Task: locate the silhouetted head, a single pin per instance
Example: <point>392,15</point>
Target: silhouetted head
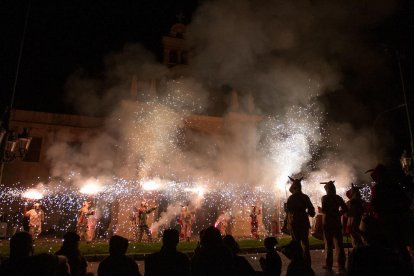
<point>118,245</point>
<point>211,237</point>
<point>270,243</point>
<point>231,244</point>
<point>330,187</point>
<point>21,245</point>
<point>170,238</point>
<point>71,239</point>
<point>354,192</point>
<point>378,174</point>
<point>296,185</point>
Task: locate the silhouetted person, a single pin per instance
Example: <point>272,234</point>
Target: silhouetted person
<point>240,265</point>
<point>376,257</point>
<point>200,237</point>
<point>271,264</point>
<point>299,208</point>
<point>333,207</point>
<point>392,207</point>
<point>297,265</point>
<point>117,263</point>
<point>168,261</point>
<point>70,249</point>
<point>21,250</point>
<point>21,261</point>
<point>49,265</point>
<point>212,257</point>
<point>354,216</point>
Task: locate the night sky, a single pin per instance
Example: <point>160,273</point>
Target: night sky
<point>66,36</point>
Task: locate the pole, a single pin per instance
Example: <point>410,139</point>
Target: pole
<point>7,116</point>
<point>405,102</point>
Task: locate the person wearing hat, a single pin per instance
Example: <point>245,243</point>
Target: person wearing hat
<point>333,207</point>
<point>143,213</point>
<point>299,208</point>
<point>36,217</point>
<point>70,249</point>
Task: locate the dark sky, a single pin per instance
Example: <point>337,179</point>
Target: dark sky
<point>63,36</point>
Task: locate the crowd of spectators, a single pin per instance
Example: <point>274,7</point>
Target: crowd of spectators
<point>382,239</point>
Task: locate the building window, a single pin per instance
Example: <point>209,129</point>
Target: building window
<point>35,148</point>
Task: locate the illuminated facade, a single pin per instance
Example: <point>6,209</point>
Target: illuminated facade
<point>47,129</point>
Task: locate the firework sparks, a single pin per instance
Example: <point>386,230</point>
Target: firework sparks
<point>151,185</point>
<point>91,187</point>
<point>32,194</point>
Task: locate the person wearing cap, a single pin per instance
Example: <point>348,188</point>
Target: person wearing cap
<point>333,207</point>
<point>143,213</point>
<point>70,249</point>
<point>299,208</point>
<point>82,223</point>
<point>36,217</point>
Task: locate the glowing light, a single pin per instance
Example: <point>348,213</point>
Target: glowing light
<point>32,194</point>
<point>91,187</point>
<point>151,185</point>
<point>199,190</point>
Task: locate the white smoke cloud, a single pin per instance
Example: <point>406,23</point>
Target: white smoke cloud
<point>285,54</point>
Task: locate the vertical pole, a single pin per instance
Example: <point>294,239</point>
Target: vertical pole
<point>405,102</point>
<point>9,109</point>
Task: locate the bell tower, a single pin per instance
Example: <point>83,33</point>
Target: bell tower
<point>175,47</point>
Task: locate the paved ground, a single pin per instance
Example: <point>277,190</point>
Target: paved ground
<point>317,263</point>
